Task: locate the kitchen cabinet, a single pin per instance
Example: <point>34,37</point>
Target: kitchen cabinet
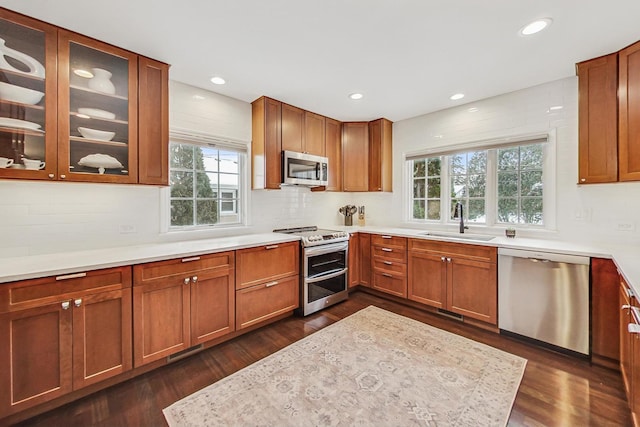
<point>333,148</point>
<point>267,282</point>
<point>380,155</point>
<point>629,113</point>
<point>60,334</point>
<point>455,277</point>
<point>76,115</point>
<point>266,144</point>
<point>625,301</point>
<point>364,243</point>
<point>354,260</point>
<point>598,120</point>
<point>355,156</point>
<point>293,127</point>
<point>605,338</point>
<point>314,134</point>
<point>181,303</point>
<point>389,264</point>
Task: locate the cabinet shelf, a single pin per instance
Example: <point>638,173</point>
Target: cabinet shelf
<point>98,142</point>
<point>95,92</point>
<point>10,73</point>
<point>22,131</point>
<point>19,104</point>
<point>100,119</point>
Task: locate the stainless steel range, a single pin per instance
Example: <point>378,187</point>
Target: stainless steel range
<point>324,258</point>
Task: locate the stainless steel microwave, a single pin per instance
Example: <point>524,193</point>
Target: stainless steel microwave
<point>304,169</point>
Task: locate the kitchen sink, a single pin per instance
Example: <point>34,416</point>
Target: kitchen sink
<point>477,237</point>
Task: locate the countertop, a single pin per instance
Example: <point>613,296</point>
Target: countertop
<point>626,258</point>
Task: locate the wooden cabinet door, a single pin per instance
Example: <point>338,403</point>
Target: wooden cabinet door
<point>102,325</point>
<point>160,320</point>
<point>365,258</point>
<point>625,336</point>
<point>292,128</point>
<point>333,149</point>
<point>634,373</point>
<point>314,134</point>
<point>266,263</point>
<point>380,155</point>
<point>605,338</point>
<point>266,143</point>
<point>394,284</point>
<point>265,301</point>
<point>629,113</point>
<point>355,156</point>
<point>36,356</point>
<point>153,122</point>
<point>427,279</point>
<point>354,260</point>
<point>472,289</point>
<point>598,120</point>
<point>212,306</point>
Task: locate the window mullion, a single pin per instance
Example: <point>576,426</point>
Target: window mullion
<point>445,188</point>
<point>491,188</point>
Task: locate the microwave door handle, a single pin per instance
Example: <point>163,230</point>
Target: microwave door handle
<point>318,170</point>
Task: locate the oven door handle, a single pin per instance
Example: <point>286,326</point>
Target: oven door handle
<point>325,249</point>
<point>326,276</point>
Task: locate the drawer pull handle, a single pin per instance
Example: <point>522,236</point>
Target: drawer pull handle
<point>387,275</point>
<point>387,262</point>
<point>386,237</point>
<point>271,247</point>
<point>387,250</point>
<point>71,276</point>
<point>66,305</point>
<point>624,307</point>
<point>78,302</point>
<point>270,284</point>
<point>193,258</point>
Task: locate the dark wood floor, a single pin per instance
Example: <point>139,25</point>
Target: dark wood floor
<point>556,390</point>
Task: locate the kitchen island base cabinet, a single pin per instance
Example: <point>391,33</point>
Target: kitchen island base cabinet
<point>181,303</point>
<point>61,334</point>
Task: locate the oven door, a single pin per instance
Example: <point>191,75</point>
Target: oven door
<point>325,276</point>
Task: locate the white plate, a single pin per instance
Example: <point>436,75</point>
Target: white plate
<point>97,113</point>
<point>100,161</point>
<point>20,124</point>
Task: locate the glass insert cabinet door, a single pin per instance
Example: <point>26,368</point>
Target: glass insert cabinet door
<point>28,80</point>
<point>97,104</point>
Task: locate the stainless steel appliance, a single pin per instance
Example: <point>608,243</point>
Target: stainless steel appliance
<point>304,169</point>
<point>324,258</point>
<point>544,296</point>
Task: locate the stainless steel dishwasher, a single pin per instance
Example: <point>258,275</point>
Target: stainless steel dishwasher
<point>545,296</point>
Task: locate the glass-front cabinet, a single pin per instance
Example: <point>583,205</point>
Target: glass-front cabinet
<point>97,107</point>
<point>28,85</point>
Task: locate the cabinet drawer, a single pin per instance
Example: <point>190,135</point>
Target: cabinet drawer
<point>199,265</point>
<point>390,283</point>
<point>388,241</point>
<point>480,253</point>
<point>35,292</point>
<point>266,263</point>
<point>389,253</point>
<point>389,266</point>
<point>261,302</point>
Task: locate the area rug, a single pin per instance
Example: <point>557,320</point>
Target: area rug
<point>373,368</point>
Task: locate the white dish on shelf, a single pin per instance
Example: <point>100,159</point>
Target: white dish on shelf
<point>20,94</point>
<point>35,67</point>
<point>17,123</point>
<point>100,161</point>
<point>101,135</point>
<point>97,113</point>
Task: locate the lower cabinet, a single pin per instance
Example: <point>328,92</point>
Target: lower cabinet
<point>181,303</point>
<point>354,260</point>
<point>364,245</point>
<point>626,341</point>
<point>389,259</point>
<point>460,278</point>
<point>258,303</point>
<point>61,334</point>
<point>605,337</point>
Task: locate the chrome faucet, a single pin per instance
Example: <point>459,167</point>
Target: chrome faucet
<point>459,213</point>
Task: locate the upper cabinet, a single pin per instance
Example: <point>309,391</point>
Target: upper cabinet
<point>609,117</point>
<point>314,134</point>
<point>76,109</point>
<point>292,128</point>
<point>266,143</point>
<point>355,156</point>
<point>333,146</point>
<point>380,154</point>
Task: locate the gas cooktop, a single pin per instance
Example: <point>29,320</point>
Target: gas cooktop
<point>312,236</point>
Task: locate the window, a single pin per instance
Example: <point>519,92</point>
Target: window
<point>495,184</point>
<point>205,185</point>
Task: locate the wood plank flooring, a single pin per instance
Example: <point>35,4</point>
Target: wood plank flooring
<point>557,390</point>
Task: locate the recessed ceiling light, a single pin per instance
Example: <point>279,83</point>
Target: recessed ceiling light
<point>556,107</point>
<point>83,73</point>
<point>198,97</point>
<point>439,136</point>
<point>535,26</point>
<point>472,109</point>
<point>456,96</point>
<point>356,96</point>
<point>217,80</point>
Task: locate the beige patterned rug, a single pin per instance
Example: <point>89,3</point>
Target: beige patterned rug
<point>373,368</point>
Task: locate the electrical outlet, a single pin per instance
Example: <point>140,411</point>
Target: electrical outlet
<point>625,226</point>
<point>127,229</point>
<point>582,214</point>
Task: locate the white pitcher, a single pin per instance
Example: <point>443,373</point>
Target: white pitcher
<point>101,81</point>
<point>35,68</point>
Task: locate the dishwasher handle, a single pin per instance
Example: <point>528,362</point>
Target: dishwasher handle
<point>540,256</point>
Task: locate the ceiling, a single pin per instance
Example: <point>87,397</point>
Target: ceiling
<point>406,56</point>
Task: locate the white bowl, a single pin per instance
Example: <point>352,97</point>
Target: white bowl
<point>20,94</point>
<point>97,113</point>
<point>101,135</point>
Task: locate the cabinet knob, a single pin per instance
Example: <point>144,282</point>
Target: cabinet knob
<point>583,180</point>
<point>187,280</point>
<point>194,279</point>
<point>63,176</point>
<point>443,259</point>
<point>66,305</point>
<point>448,259</point>
<point>78,302</point>
<point>51,176</point>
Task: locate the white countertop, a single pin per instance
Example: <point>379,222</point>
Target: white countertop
<point>626,258</point>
